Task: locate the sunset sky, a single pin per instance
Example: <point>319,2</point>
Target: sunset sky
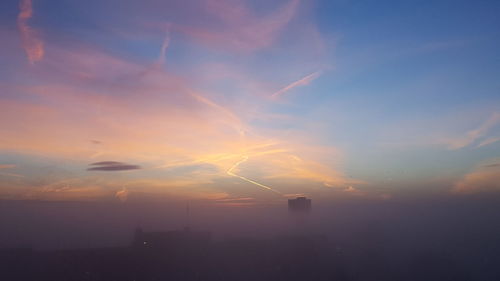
<point>247,102</point>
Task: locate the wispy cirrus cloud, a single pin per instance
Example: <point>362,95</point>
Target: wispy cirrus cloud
<point>491,165</point>
<point>488,141</point>
<point>236,201</point>
<point>31,42</point>
<point>9,166</point>
<point>164,46</point>
<point>476,134</point>
<point>241,30</point>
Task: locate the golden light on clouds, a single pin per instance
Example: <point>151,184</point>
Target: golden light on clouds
<point>87,105</point>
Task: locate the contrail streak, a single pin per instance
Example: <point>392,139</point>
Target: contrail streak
<point>301,82</point>
<point>245,158</point>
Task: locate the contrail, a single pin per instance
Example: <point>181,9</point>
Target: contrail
<point>245,158</point>
<point>301,82</point>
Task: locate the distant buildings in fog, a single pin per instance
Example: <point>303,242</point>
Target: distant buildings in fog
<point>299,204</point>
<point>170,239</point>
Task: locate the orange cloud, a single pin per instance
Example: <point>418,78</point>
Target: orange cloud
<point>9,166</point>
<point>482,179</point>
<point>122,194</point>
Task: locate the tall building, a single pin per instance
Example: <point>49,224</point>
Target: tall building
<point>299,204</point>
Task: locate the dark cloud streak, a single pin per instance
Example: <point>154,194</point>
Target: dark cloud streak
<point>107,163</point>
<point>110,166</point>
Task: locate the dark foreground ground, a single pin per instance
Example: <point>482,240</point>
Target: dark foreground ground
<point>184,257</point>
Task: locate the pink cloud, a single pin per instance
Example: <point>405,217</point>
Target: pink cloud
<point>240,30</point>
<point>31,42</point>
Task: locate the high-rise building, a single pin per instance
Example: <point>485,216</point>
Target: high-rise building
<point>299,204</point>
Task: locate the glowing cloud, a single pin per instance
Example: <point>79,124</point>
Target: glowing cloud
<point>122,194</point>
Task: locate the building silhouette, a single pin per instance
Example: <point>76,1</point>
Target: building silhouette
<point>184,238</point>
<point>299,204</point>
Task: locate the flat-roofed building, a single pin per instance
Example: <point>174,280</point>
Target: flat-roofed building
<point>299,204</point>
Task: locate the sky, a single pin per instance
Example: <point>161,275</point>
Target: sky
<point>248,102</point>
